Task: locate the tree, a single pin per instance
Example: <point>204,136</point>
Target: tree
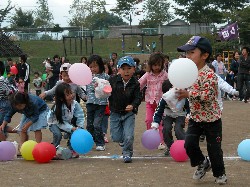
<point>44,17</point>
<point>22,19</point>
<point>156,13</point>
<point>81,9</point>
<point>102,20</point>
<point>4,12</point>
<point>199,11</point>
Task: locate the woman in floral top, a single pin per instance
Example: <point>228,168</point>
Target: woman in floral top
<point>205,113</point>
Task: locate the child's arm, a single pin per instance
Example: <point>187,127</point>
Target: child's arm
<point>81,93</point>
<point>157,117</point>
<point>223,85</point>
<point>78,113</point>
<point>143,81</point>
<point>137,97</point>
<point>50,92</point>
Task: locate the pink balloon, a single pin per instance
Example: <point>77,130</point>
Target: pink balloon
<point>7,151</point>
<point>107,89</point>
<point>80,74</point>
<point>13,70</point>
<point>178,152</point>
<point>151,139</point>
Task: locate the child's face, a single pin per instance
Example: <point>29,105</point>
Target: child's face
<point>20,80</point>
<point>196,57</point>
<point>111,63</point>
<point>36,76</point>
<point>65,77</point>
<point>126,72</point>
<point>20,106</point>
<point>156,68</point>
<point>94,68</point>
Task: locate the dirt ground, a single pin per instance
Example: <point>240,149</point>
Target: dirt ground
<point>149,168</point>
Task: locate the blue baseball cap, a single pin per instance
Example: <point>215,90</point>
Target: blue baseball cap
<point>196,42</point>
<point>126,60</point>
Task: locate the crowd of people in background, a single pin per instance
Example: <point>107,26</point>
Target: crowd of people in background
<point>131,80</point>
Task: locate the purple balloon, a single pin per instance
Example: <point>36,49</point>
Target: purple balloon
<point>7,151</point>
<point>151,139</point>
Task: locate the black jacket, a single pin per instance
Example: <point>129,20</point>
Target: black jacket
<point>120,98</point>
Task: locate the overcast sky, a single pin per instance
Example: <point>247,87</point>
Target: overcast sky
<point>59,9</point>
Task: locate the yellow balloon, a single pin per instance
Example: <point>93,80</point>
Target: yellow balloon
<point>27,148</point>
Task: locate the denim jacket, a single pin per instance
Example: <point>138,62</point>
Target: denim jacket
<point>32,111</point>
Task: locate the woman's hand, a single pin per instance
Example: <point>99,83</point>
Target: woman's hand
<point>26,127</point>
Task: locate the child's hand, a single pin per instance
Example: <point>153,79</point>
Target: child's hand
<point>129,108</point>
<point>182,94</point>
<point>42,95</point>
<point>73,128</point>
<point>25,127</point>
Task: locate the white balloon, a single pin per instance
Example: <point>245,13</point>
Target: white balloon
<point>182,73</point>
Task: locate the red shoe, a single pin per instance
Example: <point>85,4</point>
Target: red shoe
<point>75,154</point>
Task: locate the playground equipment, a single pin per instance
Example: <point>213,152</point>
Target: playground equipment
<point>143,35</point>
<point>227,57</point>
<point>75,45</point>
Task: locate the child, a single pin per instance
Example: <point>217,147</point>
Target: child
<point>170,117</point>
<point>65,78</point>
<point>20,84</point>
<point>38,83</point>
<point>153,79</point>
<point>124,102</point>
<point>48,66</point>
<point>60,117</point>
<point>96,107</point>
<point>34,111</point>
<point>205,113</point>
<point>5,91</point>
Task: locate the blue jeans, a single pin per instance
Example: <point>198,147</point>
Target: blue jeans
<point>178,128</point>
<point>57,135</point>
<point>105,122</point>
<point>213,132</point>
<point>95,115</point>
<point>4,109</point>
<point>122,130</point>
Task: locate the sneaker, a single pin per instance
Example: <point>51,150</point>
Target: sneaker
<point>221,179</point>
<point>167,152</point>
<point>121,144</point>
<point>161,146</point>
<point>75,154</point>
<point>127,159</point>
<point>202,169</point>
<point>106,139</point>
<point>100,148</point>
<point>202,138</point>
<point>229,98</point>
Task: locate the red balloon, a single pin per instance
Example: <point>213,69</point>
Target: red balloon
<point>13,70</point>
<point>43,152</point>
<point>178,152</point>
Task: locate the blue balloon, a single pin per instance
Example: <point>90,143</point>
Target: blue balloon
<point>244,150</point>
<point>81,141</point>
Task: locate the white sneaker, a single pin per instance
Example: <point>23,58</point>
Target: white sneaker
<point>161,146</point>
<point>202,169</point>
<point>100,148</point>
<point>221,179</point>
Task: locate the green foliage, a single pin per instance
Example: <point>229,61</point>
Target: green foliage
<point>22,19</point>
<point>44,17</point>
<point>156,13</point>
<point>57,28</point>
<point>5,11</point>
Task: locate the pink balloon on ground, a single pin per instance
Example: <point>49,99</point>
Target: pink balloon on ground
<point>80,74</point>
<point>7,151</point>
<point>178,152</point>
<point>151,139</point>
<point>107,89</point>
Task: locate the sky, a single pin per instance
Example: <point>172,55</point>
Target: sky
<point>59,9</point>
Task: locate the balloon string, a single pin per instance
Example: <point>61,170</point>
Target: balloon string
<point>16,127</point>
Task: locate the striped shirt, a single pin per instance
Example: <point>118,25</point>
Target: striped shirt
<point>5,88</point>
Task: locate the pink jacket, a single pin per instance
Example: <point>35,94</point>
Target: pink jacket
<point>154,85</point>
<point>20,86</point>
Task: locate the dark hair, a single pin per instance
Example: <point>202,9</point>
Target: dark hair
<point>211,66</point>
<point>166,86</point>
<point>156,58</point>
<point>235,53</point>
<point>247,49</point>
<point>9,59</point>
<point>19,98</point>
<point>114,53</point>
<point>23,57</point>
<point>99,62</point>
<point>60,91</point>
<point>204,52</point>
<point>106,62</point>
<point>218,54</point>
<point>21,78</point>
<point>137,60</point>
<point>166,56</point>
<point>55,56</point>
<point>84,57</point>
<point>36,73</point>
<point>2,68</point>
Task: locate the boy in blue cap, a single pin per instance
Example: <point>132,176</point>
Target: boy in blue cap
<point>205,113</point>
<point>124,102</point>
